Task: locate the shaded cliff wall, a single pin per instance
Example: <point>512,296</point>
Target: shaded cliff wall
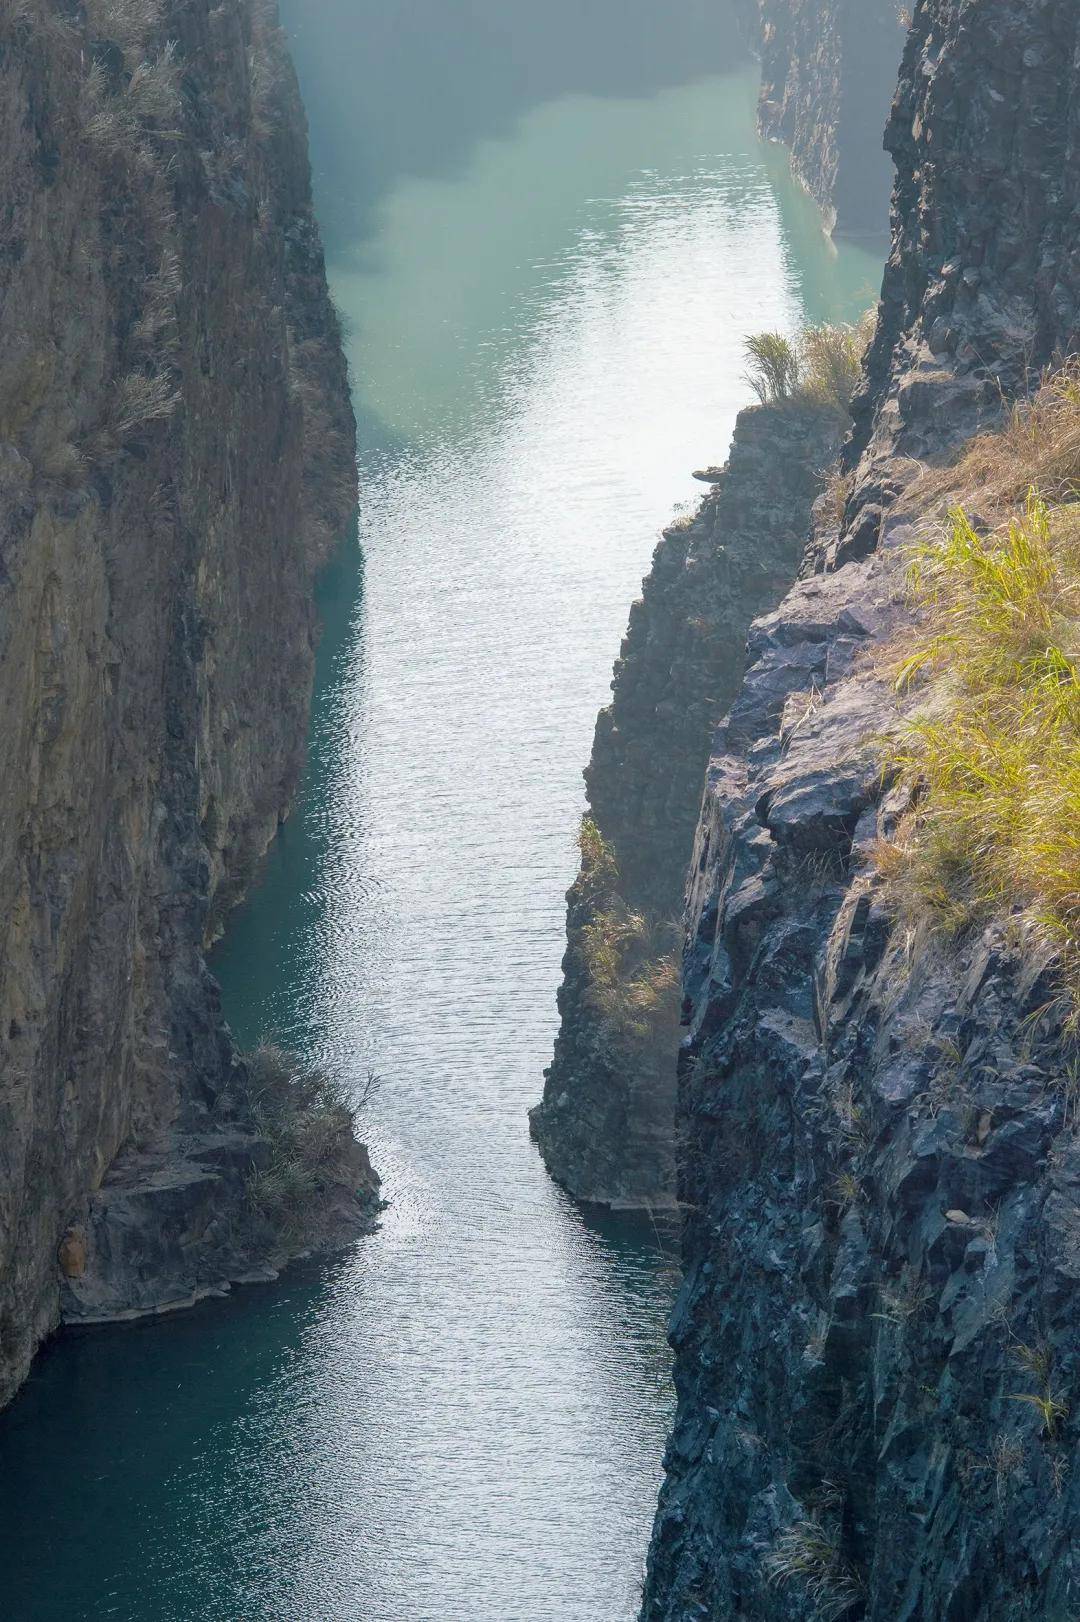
<point>880,1163</point>
<point>828,71</point>
<point>176,459</point>
<point>606,1123</point>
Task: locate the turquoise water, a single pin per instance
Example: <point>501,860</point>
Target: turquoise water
<point>548,247</point>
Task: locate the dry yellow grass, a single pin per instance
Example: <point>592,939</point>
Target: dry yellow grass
<point>1037,447</point>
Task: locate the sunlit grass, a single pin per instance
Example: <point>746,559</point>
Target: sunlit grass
<point>823,365</point>
<point>992,756</point>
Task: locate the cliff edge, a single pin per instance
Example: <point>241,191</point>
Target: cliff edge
<point>176,461</point>
<point>606,1125</point>
<point>876,1339</point>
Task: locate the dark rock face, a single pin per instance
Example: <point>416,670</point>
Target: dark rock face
<point>176,459</point>
<point>606,1124</point>
<point>828,71</point>
<point>876,1348</point>
<point>982,286</point>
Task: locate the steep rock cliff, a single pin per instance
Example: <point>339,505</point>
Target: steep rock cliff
<point>876,1341</point>
<point>176,459</point>
<point>606,1124</point>
<point>828,70</point>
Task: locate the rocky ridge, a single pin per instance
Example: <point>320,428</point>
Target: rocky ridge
<point>606,1123</point>
<point>828,70</point>
<point>176,462</point>
<point>876,1347</point>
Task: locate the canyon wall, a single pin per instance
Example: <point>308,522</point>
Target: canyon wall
<point>176,461</point>
<point>876,1339</point>
<point>606,1123</point>
<point>828,71</point>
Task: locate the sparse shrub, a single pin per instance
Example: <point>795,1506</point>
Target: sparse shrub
<point>632,972</point>
<point>830,361</point>
<point>772,366</point>
<point>1037,447</point>
<point>822,365</point>
<point>836,492</point>
<point>309,1124</point>
<point>264,68</point>
<point>128,23</point>
<point>60,462</point>
<point>156,326</point>
<point>599,869</point>
<point>138,400</point>
<point>1049,1406</point>
<point>153,89</point>
<point>846,1191</point>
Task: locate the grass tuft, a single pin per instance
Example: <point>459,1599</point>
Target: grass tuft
<point>807,1553</point>
<point>822,365</point>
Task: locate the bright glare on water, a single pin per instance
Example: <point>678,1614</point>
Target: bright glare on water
<point>463,1420</point>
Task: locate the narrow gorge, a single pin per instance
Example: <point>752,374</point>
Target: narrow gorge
<point>606,1124</point>
<point>722,1252</point>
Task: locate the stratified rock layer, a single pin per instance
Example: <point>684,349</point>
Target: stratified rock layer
<point>176,460</point>
<point>606,1124</point>
<point>877,1359</point>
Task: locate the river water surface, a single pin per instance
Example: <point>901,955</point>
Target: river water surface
<point>548,247</point>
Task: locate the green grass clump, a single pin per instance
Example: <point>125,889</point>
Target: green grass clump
<point>599,870</point>
<point>993,756</point>
<point>823,364</point>
<point>772,366</point>
<point>632,971</point>
<point>830,361</point>
<point>630,961</point>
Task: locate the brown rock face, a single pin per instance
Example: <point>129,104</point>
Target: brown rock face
<point>71,1254</point>
<point>176,459</point>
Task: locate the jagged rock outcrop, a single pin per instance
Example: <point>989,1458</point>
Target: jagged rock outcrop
<point>176,459</point>
<point>876,1340</point>
<point>606,1123</point>
<point>828,71</point>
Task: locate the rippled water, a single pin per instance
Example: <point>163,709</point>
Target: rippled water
<point>462,1420</point>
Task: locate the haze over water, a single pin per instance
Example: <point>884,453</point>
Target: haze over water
<point>549,236</point>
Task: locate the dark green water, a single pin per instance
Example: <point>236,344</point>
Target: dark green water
<point>550,235</point>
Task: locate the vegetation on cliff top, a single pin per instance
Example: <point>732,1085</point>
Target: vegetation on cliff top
<point>309,1124</point>
<point>821,366</point>
<point>992,755</point>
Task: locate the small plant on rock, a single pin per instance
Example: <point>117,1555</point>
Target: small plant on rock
<point>808,1553</point>
<point>772,366</point>
<point>309,1125</point>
